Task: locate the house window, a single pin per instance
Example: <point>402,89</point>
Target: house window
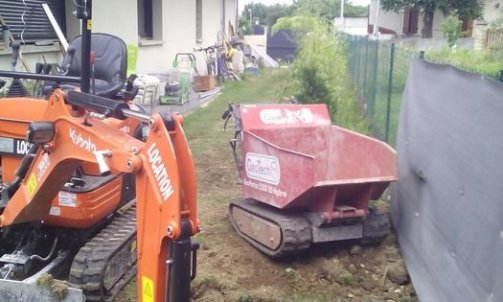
<point>150,19</point>
<point>145,20</point>
<point>199,21</point>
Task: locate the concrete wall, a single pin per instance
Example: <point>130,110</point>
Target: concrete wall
<point>353,26</point>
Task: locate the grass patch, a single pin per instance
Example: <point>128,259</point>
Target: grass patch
<point>204,127</point>
<point>200,287</point>
<point>486,62</point>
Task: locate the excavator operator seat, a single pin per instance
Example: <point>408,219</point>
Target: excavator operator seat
<point>110,67</point>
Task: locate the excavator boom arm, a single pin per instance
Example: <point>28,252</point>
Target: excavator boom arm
<point>165,184</point>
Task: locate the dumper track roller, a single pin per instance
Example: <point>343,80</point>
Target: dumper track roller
<point>276,233</point>
<point>105,264</point>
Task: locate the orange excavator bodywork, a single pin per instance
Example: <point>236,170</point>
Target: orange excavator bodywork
<point>79,210</point>
<point>104,147</point>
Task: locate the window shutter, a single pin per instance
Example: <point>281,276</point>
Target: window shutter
<point>406,21</point>
<point>36,24</point>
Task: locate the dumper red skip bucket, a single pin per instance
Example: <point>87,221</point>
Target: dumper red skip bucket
<point>293,157</point>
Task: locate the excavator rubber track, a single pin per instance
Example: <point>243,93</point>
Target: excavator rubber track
<point>276,233</point>
<point>106,263</point>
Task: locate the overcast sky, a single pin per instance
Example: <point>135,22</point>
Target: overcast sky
<point>242,3</point>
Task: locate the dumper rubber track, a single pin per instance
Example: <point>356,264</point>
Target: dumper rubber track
<point>295,229</point>
<point>105,264</point>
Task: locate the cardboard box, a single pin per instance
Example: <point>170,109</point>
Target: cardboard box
<point>204,83</point>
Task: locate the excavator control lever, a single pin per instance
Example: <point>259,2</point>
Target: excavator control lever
<point>38,76</point>
<point>105,106</point>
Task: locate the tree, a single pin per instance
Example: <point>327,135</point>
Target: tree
<point>268,15</point>
<point>263,14</point>
<point>274,12</point>
<point>468,8</point>
<point>320,67</point>
<point>330,9</point>
<point>452,29</point>
<point>461,8</point>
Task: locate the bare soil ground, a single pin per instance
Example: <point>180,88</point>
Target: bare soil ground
<point>229,269</point>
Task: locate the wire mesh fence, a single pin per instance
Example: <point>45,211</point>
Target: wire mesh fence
<point>378,70</point>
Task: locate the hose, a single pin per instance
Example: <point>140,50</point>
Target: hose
<point>49,256</point>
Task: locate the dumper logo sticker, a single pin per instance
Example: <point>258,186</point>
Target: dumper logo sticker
<point>160,172</point>
<point>286,116</point>
<point>81,141</point>
<point>263,168</point>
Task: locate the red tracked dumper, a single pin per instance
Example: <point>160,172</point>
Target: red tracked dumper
<point>305,180</point>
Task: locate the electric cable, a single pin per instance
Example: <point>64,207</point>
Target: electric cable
<point>24,22</point>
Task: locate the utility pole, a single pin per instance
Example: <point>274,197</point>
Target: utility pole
<point>376,21</point>
<point>342,15</point>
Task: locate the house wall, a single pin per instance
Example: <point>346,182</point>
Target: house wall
<point>111,16</point>
<point>178,35</point>
<point>493,9</point>
<point>230,13</point>
<point>387,19</point>
<point>390,20</point>
<point>177,31</point>
<point>438,19</point>
<point>394,20</point>
<point>32,55</point>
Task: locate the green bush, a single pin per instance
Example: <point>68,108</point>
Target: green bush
<point>452,29</point>
<point>320,69</point>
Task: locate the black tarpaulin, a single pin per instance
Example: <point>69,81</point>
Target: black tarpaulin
<point>447,207</point>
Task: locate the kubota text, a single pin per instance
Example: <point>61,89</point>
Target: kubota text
<point>79,140</point>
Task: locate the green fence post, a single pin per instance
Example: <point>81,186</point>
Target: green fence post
<point>366,63</point>
<point>373,91</point>
<point>357,63</point>
<point>390,90</point>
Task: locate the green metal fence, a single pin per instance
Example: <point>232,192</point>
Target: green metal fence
<point>378,71</point>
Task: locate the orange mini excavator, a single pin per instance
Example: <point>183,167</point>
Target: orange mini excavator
<point>85,201</point>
